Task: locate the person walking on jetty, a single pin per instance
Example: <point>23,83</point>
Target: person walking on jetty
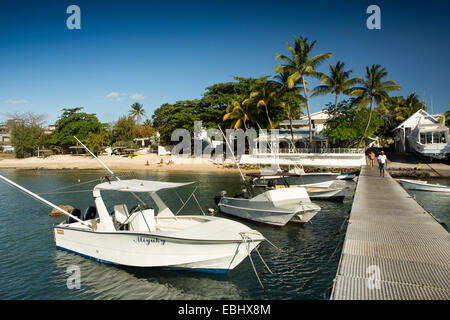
<point>382,161</point>
<point>371,158</point>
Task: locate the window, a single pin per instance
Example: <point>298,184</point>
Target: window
<point>422,138</point>
<point>429,137</point>
<point>436,137</point>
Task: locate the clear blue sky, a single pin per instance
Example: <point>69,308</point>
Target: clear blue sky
<point>163,51</point>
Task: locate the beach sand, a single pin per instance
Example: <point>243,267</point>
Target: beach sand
<point>146,162</point>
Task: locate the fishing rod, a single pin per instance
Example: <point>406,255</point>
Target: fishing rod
<point>237,163</point>
<point>28,192</point>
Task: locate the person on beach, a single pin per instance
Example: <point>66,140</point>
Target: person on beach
<point>371,159</point>
<point>382,161</point>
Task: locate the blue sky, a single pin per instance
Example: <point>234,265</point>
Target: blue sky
<point>163,51</point>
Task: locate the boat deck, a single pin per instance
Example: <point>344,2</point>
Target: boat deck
<point>393,248</point>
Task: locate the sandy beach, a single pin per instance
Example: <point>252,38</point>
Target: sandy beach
<point>151,162</point>
<point>141,162</point>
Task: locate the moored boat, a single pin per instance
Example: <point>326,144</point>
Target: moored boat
<point>327,194</point>
<point>274,207</point>
<point>423,186</point>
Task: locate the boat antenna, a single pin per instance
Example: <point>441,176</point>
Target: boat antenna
<point>28,192</point>
<point>237,163</point>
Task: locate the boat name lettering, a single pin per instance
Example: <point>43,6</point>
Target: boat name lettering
<point>147,241</point>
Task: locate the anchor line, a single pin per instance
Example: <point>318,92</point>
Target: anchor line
<point>247,245</point>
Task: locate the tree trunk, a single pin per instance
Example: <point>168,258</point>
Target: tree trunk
<point>335,103</point>
<point>309,113</point>
<point>267,113</point>
<point>292,130</point>
<point>368,123</point>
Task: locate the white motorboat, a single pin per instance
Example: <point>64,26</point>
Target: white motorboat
<point>274,207</point>
<point>323,180</point>
<point>142,238</point>
<point>423,186</point>
<point>327,194</point>
<point>346,176</point>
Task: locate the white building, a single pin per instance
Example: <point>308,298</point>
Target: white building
<point>424,134</point>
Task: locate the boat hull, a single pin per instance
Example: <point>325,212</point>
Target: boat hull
<point>327,194</point>
<point>150,250</point>
<point>324,180</point>
<point>423,186</point>
<point>242,208</point>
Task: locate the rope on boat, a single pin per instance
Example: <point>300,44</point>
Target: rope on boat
<point>244,238</point>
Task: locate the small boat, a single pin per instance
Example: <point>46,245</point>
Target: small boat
<point>274,207</point>
<point>423,186</point>
<point>141,238</point>
<point>327,194</point>
<point>324,180</point>
<point>346,176</point>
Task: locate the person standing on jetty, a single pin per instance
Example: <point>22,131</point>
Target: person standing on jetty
<point>382,161</point>
<point>371,159</point>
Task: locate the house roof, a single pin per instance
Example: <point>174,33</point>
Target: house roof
<point>421,116</point>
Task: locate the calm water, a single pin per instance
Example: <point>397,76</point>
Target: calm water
<point>435,202</point>
<point>31,267</point>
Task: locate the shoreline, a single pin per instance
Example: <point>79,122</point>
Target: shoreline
<point>151,163</point>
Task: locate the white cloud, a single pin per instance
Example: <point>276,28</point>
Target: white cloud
<point>137,96</point>
<point>13,101</point>
<point>116,96</point>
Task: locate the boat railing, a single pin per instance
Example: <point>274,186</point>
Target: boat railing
<point>321,150</point>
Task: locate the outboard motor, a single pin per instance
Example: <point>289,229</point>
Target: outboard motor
<point>90,213</point>
<point>76,213</point>
<point>243,194</point>
<point>218,197</point>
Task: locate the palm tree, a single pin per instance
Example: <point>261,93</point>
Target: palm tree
<point>373,89</point>
<point>447,117</point>
<point>263,96</point>
<point>137,111</point>
<point>407,107</point>
<point>301,65</point>
<point>237,112</point>
<point>338,82</point>
<point>281,83</point>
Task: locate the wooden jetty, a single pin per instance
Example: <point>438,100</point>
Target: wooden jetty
<point>393,248</point>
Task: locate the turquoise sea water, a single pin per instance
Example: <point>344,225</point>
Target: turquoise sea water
<point>31,267</point>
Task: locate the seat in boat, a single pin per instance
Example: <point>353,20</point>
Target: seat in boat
<point>90,213</point>
<point>76,213</point>
<point>121,213</point>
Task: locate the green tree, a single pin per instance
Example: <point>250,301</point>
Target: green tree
<point>95,141</point>
<point>373,89</point>
<point>25,138</point>
<point>72,123</point>
<point>300,66</point>
<point>406,107</point>
<point>346,124</point>
<point>125,129</point>
<point>237,112</point>
<point>338,82</point>
<point>291,96</point>
<point>137,111</point>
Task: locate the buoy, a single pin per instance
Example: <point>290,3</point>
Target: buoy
<point>418,166</point>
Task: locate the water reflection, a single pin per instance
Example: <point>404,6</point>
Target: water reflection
<point>103,281</point>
